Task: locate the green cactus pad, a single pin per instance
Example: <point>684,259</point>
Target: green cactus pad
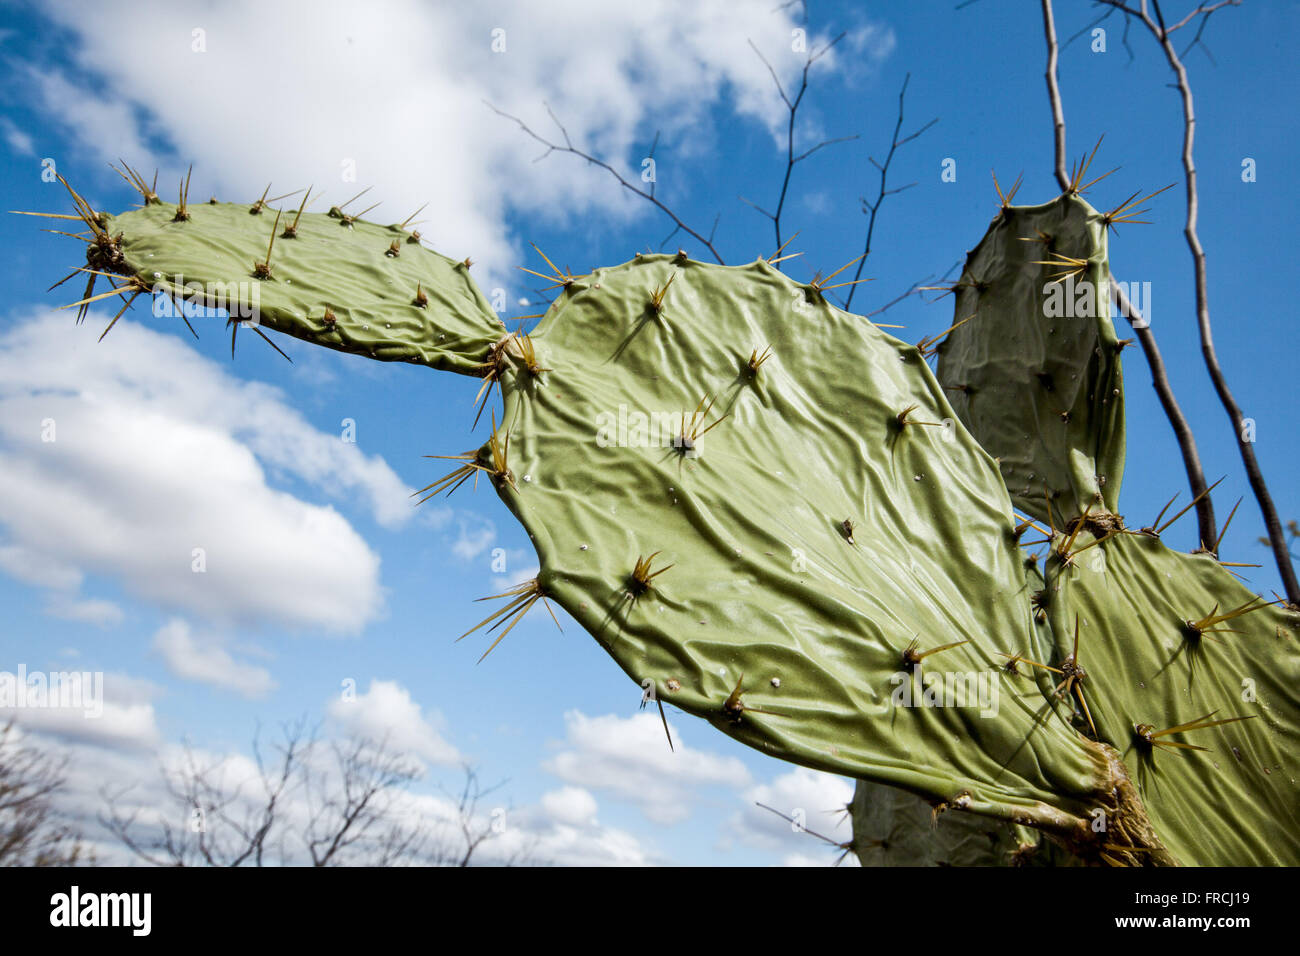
<point>1035,372</point>
<point>764,583</point>
<point>369,285</point>
<point>1239,801</point>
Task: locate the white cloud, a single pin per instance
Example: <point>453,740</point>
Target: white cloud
<point>157,452</point>
<point>476,535</point>
<point>386,713</point>
<point>564,845</point>
<point>39,568</point>
<point>96,612</point>
<point>19,141</point>
<point>629,759</point>
<point>109,120</point>
<point>573,806</point>
<point>435,516</point>
<point>812,860</point>
<point>207,662</point>
<point>399,89</point>
<point>123,718</point>
<point>816,800</point>
<point>562,831</point>
<point>871,43</point>
<point>520,572</point>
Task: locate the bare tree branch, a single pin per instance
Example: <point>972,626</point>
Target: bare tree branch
<point>1099,20</point>
<point>1146,338</point>
<point>917,289</point>
<point>873,208</point>
<point>792,106</point>
<point>474,830</point>
<point>803,5</point>
<point>31,832</point>
<point>367,773</point>
<point>1272,523</point>
<point>1054,96</point>
<point>344,811</point>
<point>1203,10</point>
<point>222,825</point>
<point>649,196</point>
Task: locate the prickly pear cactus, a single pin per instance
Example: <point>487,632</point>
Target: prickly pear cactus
<point>1033,368</point>
<point>770,515</point>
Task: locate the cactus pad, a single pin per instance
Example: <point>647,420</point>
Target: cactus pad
<point>1034,372</point>
<point>342,283</point>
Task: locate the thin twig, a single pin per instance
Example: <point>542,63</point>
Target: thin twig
<point>792,105</point>
<point>873,208</point>
<point>568,147</point>
<point>1272,524</point>
<point>1142,329</point>
<point>917,289</point>
<point>1101,19</point>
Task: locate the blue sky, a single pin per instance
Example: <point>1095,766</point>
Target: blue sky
<point>172,443</point>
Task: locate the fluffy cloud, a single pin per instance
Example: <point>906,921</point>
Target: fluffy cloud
<point>34,566</point>
<point>386,713</point>
<point>99,613</point>
<point>565,845</point>
<point>572,806</point>
<point>816,800</point>
<point>398,91</point>
<point>629,759</point>
<point>108,711</point>
<point>157,452</point>
<point>19,141</point>
<point>476,535</point>
<point>204,660</point>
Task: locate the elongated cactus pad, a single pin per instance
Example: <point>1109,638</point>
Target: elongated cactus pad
<point>331,280</point>
<point>1034,371</point>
